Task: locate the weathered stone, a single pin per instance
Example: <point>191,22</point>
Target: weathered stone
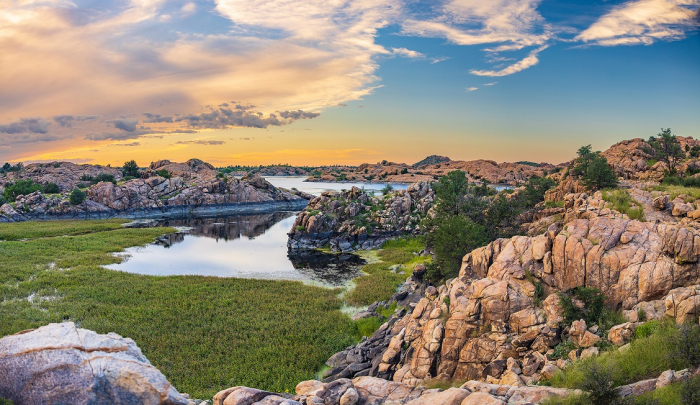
<point>60,363</point>
<point>481,398</point>
<point>621,334</point>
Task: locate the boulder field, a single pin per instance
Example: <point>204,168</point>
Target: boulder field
<point>355,219</point>
<point>193,186</point>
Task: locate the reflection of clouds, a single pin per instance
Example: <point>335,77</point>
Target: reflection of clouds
<point>250,246</point>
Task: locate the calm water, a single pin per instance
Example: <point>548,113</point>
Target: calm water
<point>244,246</point>
<point>248,246</point>
<point>314,188</point>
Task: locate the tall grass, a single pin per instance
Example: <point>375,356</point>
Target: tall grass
<point>645,358</point>
<point>379,283</point>
<point>621,201</point>
<point>203,333</point>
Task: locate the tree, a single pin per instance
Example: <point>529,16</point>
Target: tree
<point>20,187</point>
<point>51,188</point>
<point>455,237</point>
<point>130,169</point>
<point>77,196</point>
<point>599,175</point>
<point>666,148</point>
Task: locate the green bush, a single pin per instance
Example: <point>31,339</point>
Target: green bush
<point>593,170</point>
<point>51,188</point>
<point>451,240</point>
<point>20,187</point>
<point>77,196</point>
<point>621,201</point>
<point>166,174</point>
<point>598,382</point>
<point>130,168</point>
<point>593,304</point>
<point>387,189</point>
<point>2,200</point>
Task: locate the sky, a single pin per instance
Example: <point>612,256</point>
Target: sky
<point>315,82</point>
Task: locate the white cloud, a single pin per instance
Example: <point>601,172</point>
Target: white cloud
<point>643,22</point>
<point>471,88</point>
<point>490,84</point>
<point>188,9</point>
<point>513,23</point>
<point>529,61</point>
<point>407,53</point>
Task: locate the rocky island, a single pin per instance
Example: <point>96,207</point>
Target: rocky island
<point>164,188</point>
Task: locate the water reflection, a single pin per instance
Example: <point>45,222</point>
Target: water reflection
<point>245,246</point>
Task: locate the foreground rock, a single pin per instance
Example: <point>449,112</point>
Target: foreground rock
<point>377,391</point>
<point>63,364</point>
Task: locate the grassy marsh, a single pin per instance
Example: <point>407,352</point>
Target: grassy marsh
<point>203,333</point>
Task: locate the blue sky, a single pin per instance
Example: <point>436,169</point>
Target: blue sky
<point>312,82</point>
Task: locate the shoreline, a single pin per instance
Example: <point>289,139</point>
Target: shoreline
<point>176,211</point>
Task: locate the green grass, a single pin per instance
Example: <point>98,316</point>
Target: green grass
<point>367,326</point>
<point>379,283</point>
<point>621,201</point>
<point>693,193</point>
<point>645,358</point>
<point>554,204</point>
<point>203,333</point>
<point>668,395</point>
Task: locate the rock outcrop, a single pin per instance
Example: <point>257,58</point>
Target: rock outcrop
<point>192,186</point>
<point>477,170</point>
<point>356,219</point>
<point>63,364</point>
<point>630,159</point>
<point>66,175</point>
<point>377,391</point>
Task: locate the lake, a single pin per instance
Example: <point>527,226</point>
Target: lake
<point>244,246</point>
<point>316,188</point>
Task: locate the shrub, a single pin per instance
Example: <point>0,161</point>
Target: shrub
<point>20,187</point>
<point>387,189</point>
<point>455,237</point>
<point>77,196</point>
<point>51,188</point>
<point>593,170</point>
<point>621,201</point>
<point>593,304</point>
<point>599,383</point>
<point>2,200</point>
<point>404,170</point>
<point>130,168</point>
<point>166,174</point>
<point>686,349</point>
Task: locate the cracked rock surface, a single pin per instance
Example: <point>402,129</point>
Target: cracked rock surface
<point>62,364</point>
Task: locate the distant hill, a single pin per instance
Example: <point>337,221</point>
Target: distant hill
<point>431,160</point>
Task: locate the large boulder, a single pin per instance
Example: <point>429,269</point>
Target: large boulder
<point>63,364</point>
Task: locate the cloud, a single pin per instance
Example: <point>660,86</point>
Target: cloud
<point>439,59</point>
<point>200,142</point>
<point>472,88</point>
<point>66,121</point>
<point>188,9</point>
<point>407,53</point>
<point>490,84</point>
<point>125,124</point>
<point>643,22</point>
<point>24,125</point>
<point>242,116</point>
<point>529,61</point>
<point>156,118</point>
<point>128,144</point>
<point>116,136</point>
<point>474,22</point>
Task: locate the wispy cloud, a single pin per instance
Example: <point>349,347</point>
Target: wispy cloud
<point>472,88</point>
<point>200,142</point>
<point>529,61</point>
<point>407,53</point>
<point>490,84</point>
<point>643,22</point>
